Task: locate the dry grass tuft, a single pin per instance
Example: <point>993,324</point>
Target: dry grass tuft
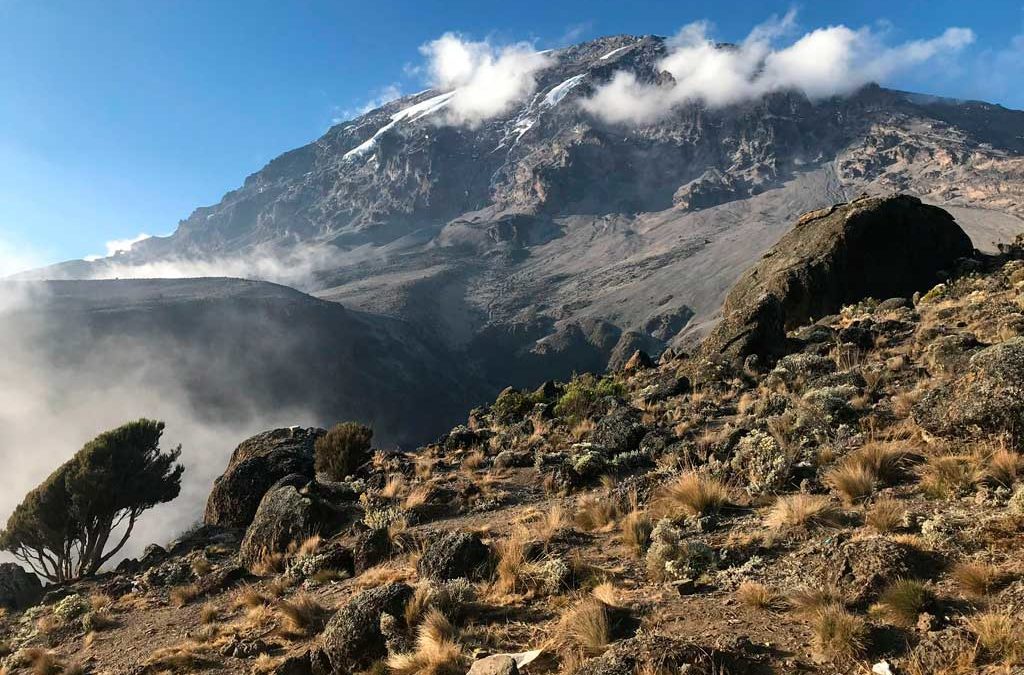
<point>249,597</point>
<point>394,487</point>
<point>947,476</point>
<point>417,497</point>
<point>1002,467</point>
<point>302,616</point>
<point>270,563</point>
<point>209,613</point>
<point>852,480</point>
<point>550,523</point>
<point>437,650</point>
<point>182,595</point>
<point>187,657</point>
<point>514,572</point>
<point>265,664</point>
<point>43,662</point>
<point>474,460</point>
<point>976,579</point>
<point>885,515</point>
<point>596,512</point>
<point>902,602</point>
<point>757,596</point>
<point>1000,635</point>
<point>692,494</point>
<point>586,626</point>
<point>803,511</point>
<point>201,567</point>
<point>836,633</point>
<point>636,532</point>
<point>807,602</point>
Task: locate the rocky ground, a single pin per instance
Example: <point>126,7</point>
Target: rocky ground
<point>831,483</point>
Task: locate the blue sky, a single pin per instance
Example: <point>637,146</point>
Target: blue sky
<point>120,117</point>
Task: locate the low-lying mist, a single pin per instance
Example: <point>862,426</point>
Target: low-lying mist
<point>52,402</point>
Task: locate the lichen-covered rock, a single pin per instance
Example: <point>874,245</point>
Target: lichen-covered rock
<point>988,398</point>
<point>289,514</point>
<point>620,430</point>
<point>371,548</point>
<point>871,247</point>
<point>454,555</point>
<point>352,639</point>
<point>862,568</point>
<point>950,354</point>
<point>18,588</point>
<point>255,465</point>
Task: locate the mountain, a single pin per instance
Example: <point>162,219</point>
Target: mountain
<point>544,241</point>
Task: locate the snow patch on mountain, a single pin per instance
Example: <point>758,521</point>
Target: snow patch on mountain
<point>559,92</point>
<point>411,114</point>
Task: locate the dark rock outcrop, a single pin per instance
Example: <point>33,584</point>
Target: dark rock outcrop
<point>290,514</point>
<point>256,464</point>
<point>871,247</point>
<point>353,638</point>
<point>454,555</point>
<point>18,589</point>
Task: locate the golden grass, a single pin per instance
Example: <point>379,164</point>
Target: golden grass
<point>636,530</point>
<point>946,476</point>
<point>270,563</point>
<point>394,487</point>
<point>692,494</point>
<point>209,613</point>
<point>514,572</point>
<point>757,596</point>
<point>1002,467</point>
<point>550,523</point>
<point>301,616</point>
<point>201,567</point>
<point>474,460</point>
<point>43,662</point>
<point>807,602</point>
<point>1000,635</point>
<point>265,664</point>
<point>852,481</point>
<point>182,595</point>
<point>902,602</point>
<point>582,429</point>
<point>437,651</point>
<point>186,657</point>
<point>596,512</point>
<point>836,633</point>
<point>885,515</point>
<point>586,626</point>
<point>976,579</point>
<point>803,511</point>
<point>418,496</point>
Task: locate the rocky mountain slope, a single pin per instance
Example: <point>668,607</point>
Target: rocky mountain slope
<point>544,241</point>
<point>844,495</point>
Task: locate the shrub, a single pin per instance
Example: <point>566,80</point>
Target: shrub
<point>583,396</point>
<point>672,558</point>
<point>343,449</point>
<point>62,529</point>
<point>512,405</point>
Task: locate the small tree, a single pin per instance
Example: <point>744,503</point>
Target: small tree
<point>343,449</point>
<point>62,529</point>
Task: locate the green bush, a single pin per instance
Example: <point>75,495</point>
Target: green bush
<point>62,529</point>
<point>512,405</point>
<point>585,395</point>
<point>343,449</point>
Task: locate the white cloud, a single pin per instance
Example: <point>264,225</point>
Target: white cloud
<point>115,246</point>
<point>825,62</point>
<point>15,258</point>
<point>487,80</point>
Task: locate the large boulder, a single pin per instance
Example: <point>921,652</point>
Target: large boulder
<point>255,465</point>
<point>454,555</point>
<point>18,589</point>
<point>290,513</point>
<point>987,398</point>
<point>352,639</point>
<point>871,247</point>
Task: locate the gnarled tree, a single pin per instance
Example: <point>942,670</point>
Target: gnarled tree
<point>63,528</point>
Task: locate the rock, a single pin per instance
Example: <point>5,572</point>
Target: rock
<point>499,664</point>
<point>371,548</point>
<point>221,579</point>
<point>987,398</point>
<point>288,514</point>
<point>620,430</point>
<point>454,555</point>
<point>864,567</point>
<point>255,465</point>
<point>18,588</point>
<point>892,304</point>
<point>950,354</point>
<point>638,361</point>
<point>871,247</point>
<point>352,639</point>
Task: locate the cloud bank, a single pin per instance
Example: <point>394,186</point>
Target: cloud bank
<point>116,246</point>
<point>487,80</point>
<point>825,62</point>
